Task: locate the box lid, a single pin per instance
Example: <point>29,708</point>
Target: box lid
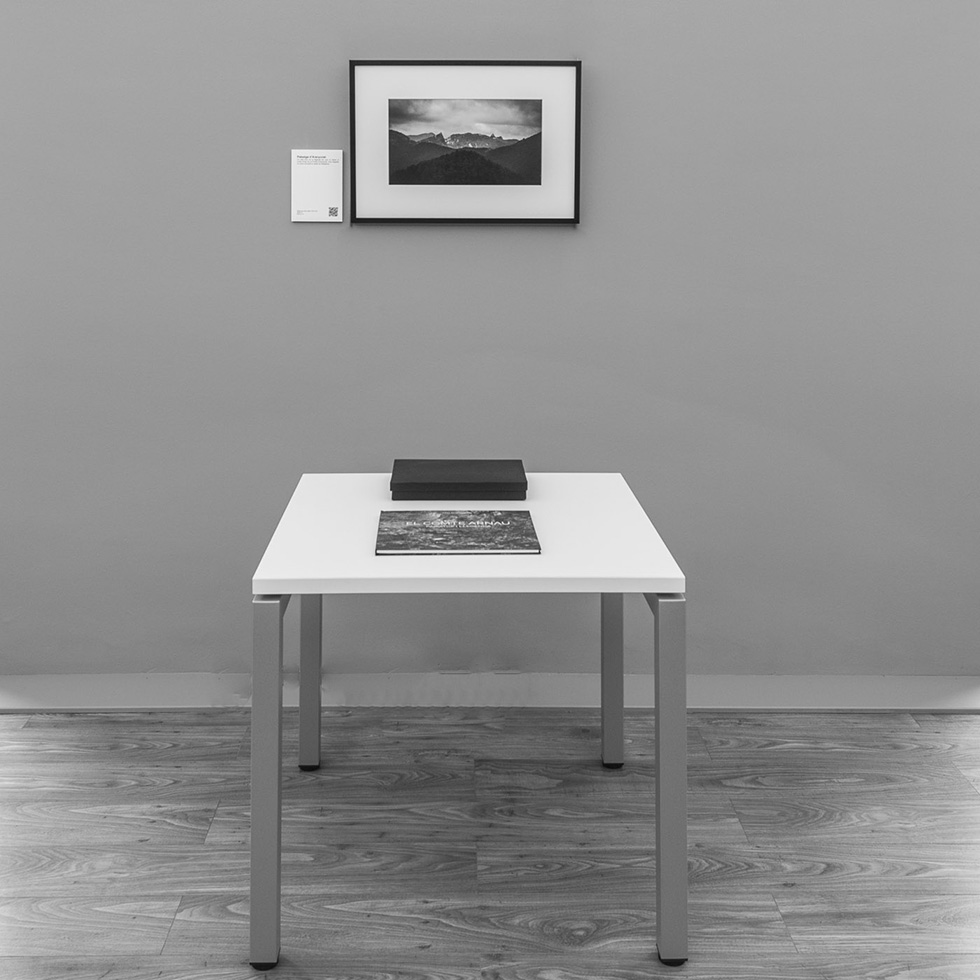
<point>471,475</point>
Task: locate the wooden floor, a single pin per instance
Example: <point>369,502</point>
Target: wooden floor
<point>491,843</point>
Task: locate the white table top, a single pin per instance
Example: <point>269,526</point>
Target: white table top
<point>594,535</point>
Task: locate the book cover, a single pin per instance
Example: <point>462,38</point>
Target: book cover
<point>457,532</point>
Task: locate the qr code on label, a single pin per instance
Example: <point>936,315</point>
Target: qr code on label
<point>332,212</point>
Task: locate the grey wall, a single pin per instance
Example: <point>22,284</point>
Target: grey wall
<point>767,321</point>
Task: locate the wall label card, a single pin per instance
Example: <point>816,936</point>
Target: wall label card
<point>317,185</point>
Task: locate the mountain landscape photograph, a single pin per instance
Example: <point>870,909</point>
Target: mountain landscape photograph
<point>464,141</point>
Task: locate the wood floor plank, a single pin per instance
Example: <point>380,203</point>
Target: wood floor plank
<point>66,869</point>
<point>128,784</point>
<point>868,918</point>
<point>346,869</point>
<point>85,925</point>
<point>828,863</point>
<point>42,823</point>
<point>800,773</point>
<point>911,748</point>
<point>872,817</point>
<point>855,964</point>
<point>184,720</point>
<point>811,722</point>
<point>966,721</point>
<point>39,748</point>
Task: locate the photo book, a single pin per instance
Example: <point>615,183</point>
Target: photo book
<point>456,532</point>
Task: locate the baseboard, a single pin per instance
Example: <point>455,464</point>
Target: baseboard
<point>815,692</point>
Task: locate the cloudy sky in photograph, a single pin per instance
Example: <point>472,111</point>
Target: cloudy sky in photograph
<point>514,119</point>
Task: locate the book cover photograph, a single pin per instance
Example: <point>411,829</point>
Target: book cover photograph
<point>458,532</point>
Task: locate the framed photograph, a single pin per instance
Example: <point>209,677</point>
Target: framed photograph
<point>467,141</point>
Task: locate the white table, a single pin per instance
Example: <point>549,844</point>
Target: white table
<point>594,538</point>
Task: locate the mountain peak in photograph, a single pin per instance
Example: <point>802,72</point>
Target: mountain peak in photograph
<point>477,141</point>
<point>428,138</point>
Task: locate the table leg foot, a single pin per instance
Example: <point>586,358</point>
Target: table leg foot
<point>671,961</point>
<point>263,966</point>
<point>309,768</point>
<point>613,765</point>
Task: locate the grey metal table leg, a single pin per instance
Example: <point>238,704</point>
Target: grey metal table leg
<point>670,669</point>
<point>264,908</point>
<point>310,664</point>
<point>612,678</point>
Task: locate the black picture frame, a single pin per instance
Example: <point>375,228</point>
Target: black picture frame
<point>525,170</point>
